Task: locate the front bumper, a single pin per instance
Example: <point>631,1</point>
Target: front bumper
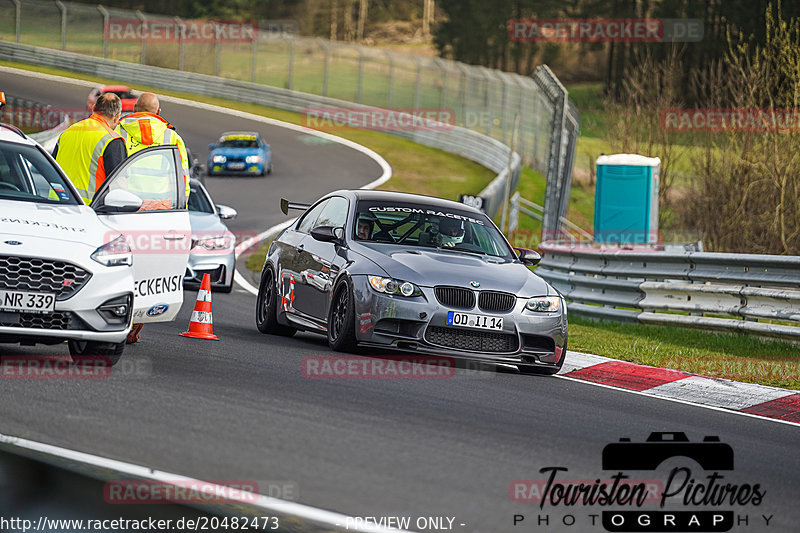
<point>219,266</point>
<point>420,324</point>
<point>78,317</point>
<point>247,170</point>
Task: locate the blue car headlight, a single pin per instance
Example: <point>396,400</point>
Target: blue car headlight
<point>219,159</point>
<point>394,286</point>
<point>250,159</point>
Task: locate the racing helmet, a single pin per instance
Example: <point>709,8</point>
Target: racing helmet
<point>450,231</point>
<point>366,217</point>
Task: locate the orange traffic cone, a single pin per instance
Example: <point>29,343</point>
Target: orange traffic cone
<point>201,325</point>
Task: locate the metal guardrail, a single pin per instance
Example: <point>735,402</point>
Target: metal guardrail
<point>464,142</point>
<point>757,294</point>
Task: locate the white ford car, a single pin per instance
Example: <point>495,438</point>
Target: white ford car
<point>83,274</point>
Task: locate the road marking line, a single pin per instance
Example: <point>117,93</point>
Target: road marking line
<point>265,503</point>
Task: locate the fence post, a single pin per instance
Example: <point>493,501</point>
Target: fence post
<point>143,19</point>
<point>462,93</point>
<point>513,213</point>
<point>418,85</point>
<point>326,66</point>
<point>390,83</point>
<point>442,93</point>
<point>17,17</point>
<point>217,55</point>
<point>253,54</point>
<point>61,7</point>
<point>181,52</point>
<point>103,11</point>
<point>290,80</point>
<point>360,86</point>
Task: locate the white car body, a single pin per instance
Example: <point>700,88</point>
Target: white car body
<point>38,237</point>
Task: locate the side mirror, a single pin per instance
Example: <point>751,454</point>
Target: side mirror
<point>119,201</point>
<point>226,212</point>
<point>211,146</point>
<point>327,234</point>
<point>528,257</point>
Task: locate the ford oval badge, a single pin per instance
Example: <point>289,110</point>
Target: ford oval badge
<point>158,309</point>
<point>13,243</point>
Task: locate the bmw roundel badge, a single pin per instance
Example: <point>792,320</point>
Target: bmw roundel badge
<point>475,284</point>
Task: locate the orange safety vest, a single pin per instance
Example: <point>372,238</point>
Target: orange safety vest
<point>80,151</point>
<point>142,130</point>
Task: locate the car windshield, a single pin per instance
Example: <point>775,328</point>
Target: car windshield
<point>27,175</point>
<point>238,142</point>
<point>421,225</point>
<point>198,201</point>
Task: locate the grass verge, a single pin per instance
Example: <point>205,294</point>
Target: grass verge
<point>737,357</point>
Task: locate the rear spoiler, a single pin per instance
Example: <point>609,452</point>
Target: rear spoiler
<point>286,205</point>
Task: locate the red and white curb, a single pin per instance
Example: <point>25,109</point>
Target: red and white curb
<point>748,398</point>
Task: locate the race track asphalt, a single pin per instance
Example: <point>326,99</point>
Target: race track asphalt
<point>240,409</point>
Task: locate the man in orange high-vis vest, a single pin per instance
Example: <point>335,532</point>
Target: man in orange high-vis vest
<point>145,128</point>
<point>90,150</point>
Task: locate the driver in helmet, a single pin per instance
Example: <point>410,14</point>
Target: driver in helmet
<point>450,232</point>
<point>365,226</point>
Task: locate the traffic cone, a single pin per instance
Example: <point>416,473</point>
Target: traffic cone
<point>201,325</point>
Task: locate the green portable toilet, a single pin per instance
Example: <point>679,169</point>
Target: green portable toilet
<point>626,199</point>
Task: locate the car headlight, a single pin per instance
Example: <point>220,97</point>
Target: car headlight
<point>218,159</point>
<point>544,304</point>
<point>253,159</point>
<point>394,286</point>
<point>114,253</point>
<point>219,242</point>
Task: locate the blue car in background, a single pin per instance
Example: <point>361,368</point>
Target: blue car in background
<point>240,152</point>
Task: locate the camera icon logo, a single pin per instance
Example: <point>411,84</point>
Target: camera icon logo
<point>710,454</point>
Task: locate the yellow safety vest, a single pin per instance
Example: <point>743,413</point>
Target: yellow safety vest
<point>80,151</point>
<point>142,130</point>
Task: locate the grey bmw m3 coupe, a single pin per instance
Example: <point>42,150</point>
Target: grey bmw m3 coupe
<point>413,273</point>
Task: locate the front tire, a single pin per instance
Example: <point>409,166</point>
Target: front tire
<point>79,350</point>
<point>267,307</point>
<point>341,320</point>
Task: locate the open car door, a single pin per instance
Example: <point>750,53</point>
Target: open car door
<point>145,199</point>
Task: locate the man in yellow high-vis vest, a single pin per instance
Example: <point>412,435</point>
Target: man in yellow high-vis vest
<point>145,128</point>
<point>90,150</point>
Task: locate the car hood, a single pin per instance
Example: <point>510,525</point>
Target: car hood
<point>430,267</point>
<point>238,152</point>
<point>73,223</point>
<point>206,222</point>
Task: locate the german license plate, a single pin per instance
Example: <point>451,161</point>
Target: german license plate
<point>474,321</point>
<point>32,302</point>
<point>236,166</point>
